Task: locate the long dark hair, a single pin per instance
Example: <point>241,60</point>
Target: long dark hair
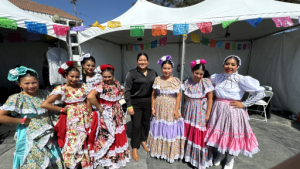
<point>91,58</point>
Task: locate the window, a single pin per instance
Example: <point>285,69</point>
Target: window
<point>75,50</point>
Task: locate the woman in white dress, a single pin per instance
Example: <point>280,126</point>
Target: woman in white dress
<point>228,129</point>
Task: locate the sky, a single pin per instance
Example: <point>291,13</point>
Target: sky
<point>92,10</point>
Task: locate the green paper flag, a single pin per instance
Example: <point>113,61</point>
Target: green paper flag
<point>127,47</point>
<point>8,23</point>
<point>136,31</point>
<point>227,23</point>
<point>233,46</point>
<point>205,41</point>
<point>147,45</point>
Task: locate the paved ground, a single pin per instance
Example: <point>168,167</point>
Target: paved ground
<point>278,140</point>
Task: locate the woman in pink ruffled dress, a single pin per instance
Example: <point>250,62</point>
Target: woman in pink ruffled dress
<point>228,129</point>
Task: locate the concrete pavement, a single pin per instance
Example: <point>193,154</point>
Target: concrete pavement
<point>278,140</point>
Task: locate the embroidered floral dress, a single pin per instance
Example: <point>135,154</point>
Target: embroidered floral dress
<point>73,128</point>
<point>166,136</point>
<point>194,113</point>
<point>36,146</point>
<point>110,146</point>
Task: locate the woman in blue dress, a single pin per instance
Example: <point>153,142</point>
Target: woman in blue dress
<point>36,146</point>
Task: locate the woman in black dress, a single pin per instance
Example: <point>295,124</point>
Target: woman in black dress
<point>138,90</point>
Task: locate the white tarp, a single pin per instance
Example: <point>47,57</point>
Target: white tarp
<point>275,62</point>
<point>215,11</point>
<point>9,10</point>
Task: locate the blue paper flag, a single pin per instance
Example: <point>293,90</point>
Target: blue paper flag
<point>239,47</point>
<point>36,28</point>
<point>136,47</point>
<point>254,22</point>
<point>154,44</point>
<point>180,29</point>
<point>220,44</point>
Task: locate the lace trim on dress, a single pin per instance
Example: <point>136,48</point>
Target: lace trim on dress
<point>67,100</point>
<point>114,152</point>
<point>170,160</point>
<point>232,152</point>
<point>165,139</point>
<point>108,98</point>
<point>99,90</point>
<point>165,91</point>
<point>168,123</point>
<point>23,111</point>
<point>110,164</point>
<point>196,126</point>
<point>197,164</point>
<point>43,141</point>
<point>120,129</point>
<point>196,146</point>
<point>40,131</point>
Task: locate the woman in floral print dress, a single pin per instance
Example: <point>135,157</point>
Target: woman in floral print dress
<point>198,94</point>
<point>166,136</point>
<point>110,148</point>
<point>36,146</point>
<point>74,122</point>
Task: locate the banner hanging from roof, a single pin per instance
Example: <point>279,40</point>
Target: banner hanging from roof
<point>78,28</point>
<point>60,30</point>
<point>283,21</point>
<point>14,38</point>
<point>96,24</point>
<point>205,27</point>
<point>180,29</point>
<point>254,22</point>
<point>227,23</point>
<point>158,30</point>
<point>37,28</point>
<point>137,31</point>
<point>113,24</point>
<point>195,38</point>
<point>163,41</point>
<point>8,23</point>
<point>33,37</point>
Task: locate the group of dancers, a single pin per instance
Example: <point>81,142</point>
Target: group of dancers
<point>90,129</point>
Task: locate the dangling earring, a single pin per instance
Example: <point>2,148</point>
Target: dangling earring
<point>84,71</point>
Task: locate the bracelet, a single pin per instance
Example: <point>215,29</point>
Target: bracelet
<point>152,108</point>
<point>129,107</point>
<point>62,110</point>
<point>23,120</point>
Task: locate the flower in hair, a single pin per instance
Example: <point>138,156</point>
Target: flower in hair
<point>84,56</point>
<point>67,65</point>
<point>61,71</point>
<point>202,61</point>
<point>21,70</point>
<point>98,69</point>
<point>164,58</point>
<point>13,74</point>
<point>193,63</point>
<point>105,66</point>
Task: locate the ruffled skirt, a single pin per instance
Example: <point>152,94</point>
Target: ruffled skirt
<point>229,130</point>
<point>196,151</point>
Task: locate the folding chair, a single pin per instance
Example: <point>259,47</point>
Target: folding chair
<point>262,103</point>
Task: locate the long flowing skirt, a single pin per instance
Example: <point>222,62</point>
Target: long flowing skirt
<point>229,130</point>
<point>196,151</point>
<point>166,136</point>
<point>110,148</point>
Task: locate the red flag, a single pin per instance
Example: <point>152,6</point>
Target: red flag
<point>205,27</point>
<point>227,46</point>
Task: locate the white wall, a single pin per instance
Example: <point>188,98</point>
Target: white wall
<point>275,62</point>
<point>104,53</point>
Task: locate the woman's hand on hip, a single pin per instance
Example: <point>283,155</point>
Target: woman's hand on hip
<point>100,108</point>
<point>65,110</point>
<point>236,104</point>
<point>130,111</point>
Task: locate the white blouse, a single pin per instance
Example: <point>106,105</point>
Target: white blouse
<point>90,82</point>
<point>233,86</point>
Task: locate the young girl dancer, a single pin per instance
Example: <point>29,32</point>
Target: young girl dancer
<point>228,128</point>
<point>74,122</point>
<point>89,76</point>
<point>36,146</point>
<point>166,136</point>
<point>110,147</point>
<point>199,99</point>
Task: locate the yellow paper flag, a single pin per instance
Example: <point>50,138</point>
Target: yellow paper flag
<point>49,37</point>
<point>195,38</point>
<point>113,24</point>
<point>96,24</point>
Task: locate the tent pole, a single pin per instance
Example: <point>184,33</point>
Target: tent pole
<point>122,63</point>
<point>182,70</point>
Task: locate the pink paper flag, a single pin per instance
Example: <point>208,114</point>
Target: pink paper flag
<point>60,30</point>
<point>227,46</point>
<point>205,27</point>
<point>142,46</point>
<point>163,41</point>
<point>283,21</point>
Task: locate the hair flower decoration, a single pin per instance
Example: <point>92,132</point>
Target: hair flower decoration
<point>84,56</point>
<point>98,70</point>
<point>13,74</point>
<point>197,62</point>
<point>164,58</point>
<point>105,66</point>
<point>64,67</point>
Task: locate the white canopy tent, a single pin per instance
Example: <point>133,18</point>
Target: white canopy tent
<point>27,53</point>
<point>106,45</point>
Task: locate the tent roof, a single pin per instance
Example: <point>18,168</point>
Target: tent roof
<point>215,11</point>
<point>9,10</point>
